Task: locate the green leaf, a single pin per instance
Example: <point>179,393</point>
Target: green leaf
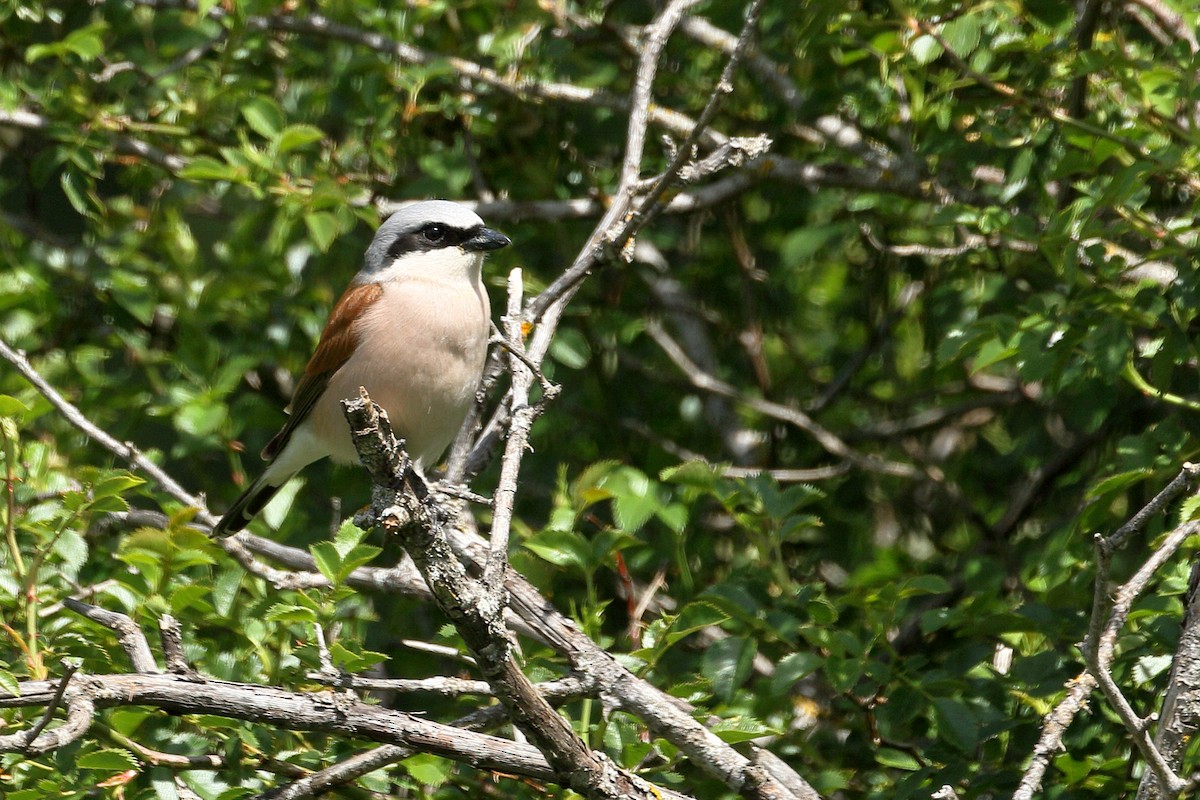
<point>9,683</point>
<point>571,349</point>
<point>348,537</point>
<point>962,34</point>
<point>201,418</point>
<point>925,584</point>
<point>925,49</point>
<point>189,596</point>
<point>293,137</point>
<point>697,474</point>
<point>896,759</point>
<point>1119,481</point>
<point>353,661</point>
<point>281,504</point>
<point>561,548</point>
<point>635,497</point>
<point>107,761</point>
<point>992,352</point>
<point>329,560</point>
<point>821,611</point>
<point>695,616</point>
<point>207,168</point>
<point>83,42</point>
<point>956,723</point>
<point>360,555</point>
<point>728,663</point>
<point>808,242</point>
<point>12,407</point>
<point>238,792</point>
<point>322,229</point>
<point>225,589</point>
<point>792,668</point>
<point>1150,667</point>
<point>284,612</point>
<point>73,186</point>
<point>116,485</point>
<point>429,770</point>
<point>742,729</point>
<point>263,116</point>
<point>1189,509</point>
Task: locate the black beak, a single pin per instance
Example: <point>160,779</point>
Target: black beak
<point>486,239</point>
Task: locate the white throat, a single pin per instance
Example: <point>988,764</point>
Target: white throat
<point>445,265</point>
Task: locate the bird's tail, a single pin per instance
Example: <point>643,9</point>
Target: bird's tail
<point>250,503</point>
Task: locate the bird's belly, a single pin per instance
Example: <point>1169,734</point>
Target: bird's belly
<point>420,353</point>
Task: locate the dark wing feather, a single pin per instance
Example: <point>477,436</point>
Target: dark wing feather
<point>338,341</point>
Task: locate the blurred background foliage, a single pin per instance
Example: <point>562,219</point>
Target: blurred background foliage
<point>968,256</point>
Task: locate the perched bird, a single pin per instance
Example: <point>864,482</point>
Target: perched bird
<point>412,328</point>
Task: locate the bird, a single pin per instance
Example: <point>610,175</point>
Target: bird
<point>412,329</point>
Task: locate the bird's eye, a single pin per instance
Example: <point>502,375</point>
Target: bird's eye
<point>434,233</point>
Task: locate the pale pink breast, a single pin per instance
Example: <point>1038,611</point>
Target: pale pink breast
<point>420,354</point>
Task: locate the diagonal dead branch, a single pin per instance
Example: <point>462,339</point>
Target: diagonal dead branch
<point>1179,716</point>
<point>31,740</point>
<point>1054,727</point>
<point>132,638</point>
<point>122,450</point>
<point>476,613</point>
<point>1110,610</point>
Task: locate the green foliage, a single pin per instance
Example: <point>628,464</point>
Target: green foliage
<point>991,285</point>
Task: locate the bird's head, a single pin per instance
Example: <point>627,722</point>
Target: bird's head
<point>433,236</point>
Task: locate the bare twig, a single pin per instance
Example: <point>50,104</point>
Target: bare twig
<point>123,450</point>
<point>476,614</point>
<point>300,711</point>
<point>1185,480</point>
<point>1054,727</point>
<point>650,206</point>
<point>831,443</point>
<point>522,418</point>
<point>343,772</point>
<point>26,739</point>
<point>132,638</point>
<point>172,642</point>
<point>161,759</point>
<point>1100,656</point>
<point>125,145</point>
<point>340,774</point>
<point>710,35</point>
<point>1170,20</point>
<point>1179,717</point>
<point>617,227</point>
<point>1109,616</point>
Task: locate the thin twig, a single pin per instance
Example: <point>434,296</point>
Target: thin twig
<point>160,759</point>
<point>650,206</point>
<point>829,441</point>
<point>132,638</point>
<point>31,735</point>
<point>123,450</point>
<point>523,415</point>
<point>1100,651</point>
<point>172,643</point>
<point>1179,715</point>
<point>1054,727</point>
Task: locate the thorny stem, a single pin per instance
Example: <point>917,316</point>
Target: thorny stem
<point>8,440</point>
